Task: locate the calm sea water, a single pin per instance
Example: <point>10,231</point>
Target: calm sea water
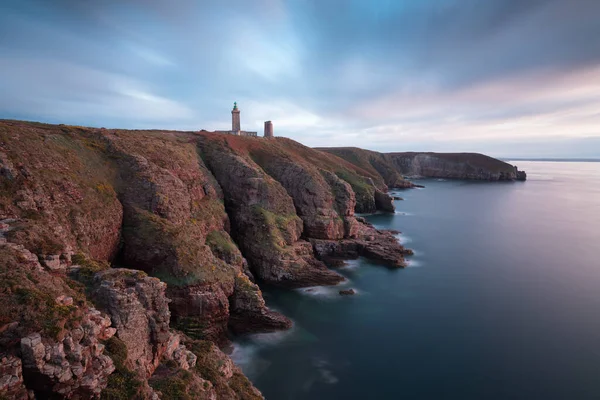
<point>501,301</point>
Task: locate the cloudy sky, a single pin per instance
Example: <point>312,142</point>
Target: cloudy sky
<point>513,78</point>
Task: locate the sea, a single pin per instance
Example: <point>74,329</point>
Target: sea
<point>500,301</point>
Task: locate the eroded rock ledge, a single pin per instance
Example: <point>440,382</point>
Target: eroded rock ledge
<point>379,245</point>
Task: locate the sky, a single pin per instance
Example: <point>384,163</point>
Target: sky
<point>509,78</point>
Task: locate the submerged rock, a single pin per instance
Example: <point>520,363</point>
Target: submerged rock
<point>347,292</point>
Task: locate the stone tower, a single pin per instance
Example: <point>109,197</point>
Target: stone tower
<point>268,129</point>
<point>235,120</point>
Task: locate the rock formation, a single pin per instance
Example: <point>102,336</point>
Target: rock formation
<point>263,217</point>
<point>11,379</point>
<point>128,257</point>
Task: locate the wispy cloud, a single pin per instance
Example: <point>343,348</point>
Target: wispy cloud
<point>455,75</point>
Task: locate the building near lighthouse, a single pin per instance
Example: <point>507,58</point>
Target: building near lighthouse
<point>268,129</point>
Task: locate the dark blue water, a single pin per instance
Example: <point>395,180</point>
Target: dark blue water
<point>501,301</point>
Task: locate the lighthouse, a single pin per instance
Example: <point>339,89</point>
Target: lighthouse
<point>235,119</point>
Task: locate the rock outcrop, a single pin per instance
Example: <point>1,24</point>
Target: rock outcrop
<point>74,367</point>
<point>378,245</point>
<point>151,359</point>
<point>51,328</point>
<point>268,187</point>
<point>263,218</point>
<point>379,169</point>
<point>175,227</point>
<point>140,313</point>
<point>72,195</point>
<point>249,312</point>
<point>11,379</point>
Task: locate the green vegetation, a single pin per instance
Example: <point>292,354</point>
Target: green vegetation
<point>220,242</point>
<point>106,190</point>
<point>363,190</point>
<point>175,386</point>
<point>209,364</point>
<point>355,181</point>
<point>28,296</point>
<point>38,236</point>
<point>89,268</point>
<point>282,222</point>
<point>123,384</point>
<point>64,168</point>
<point>276,227</point>
<point>206,364</point>
<point>223,247</point>
<point>242,386</point>
<point>179,256</point>
<point>193,327</point>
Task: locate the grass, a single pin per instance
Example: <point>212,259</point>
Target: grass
<point>88,269</point>
<point>28,297</point>
<point>276,227</point>
<point>193,327</point>
<point>364,191</point>
<point>64,168</point>
<point>179,256</point>
<point>222,246</point>
<point>175,386</point>
<point>123,384</point>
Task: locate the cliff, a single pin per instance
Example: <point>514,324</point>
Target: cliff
<point>128,257</point>
<point>393,167</point>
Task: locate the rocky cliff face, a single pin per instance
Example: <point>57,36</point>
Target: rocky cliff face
<point>49,331</point>
<point>470,166</point>
<point>110,240</point>
<point>392,167</point>
<point>288,198</point>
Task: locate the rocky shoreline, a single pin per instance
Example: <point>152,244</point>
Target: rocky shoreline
<point>129,258</point>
